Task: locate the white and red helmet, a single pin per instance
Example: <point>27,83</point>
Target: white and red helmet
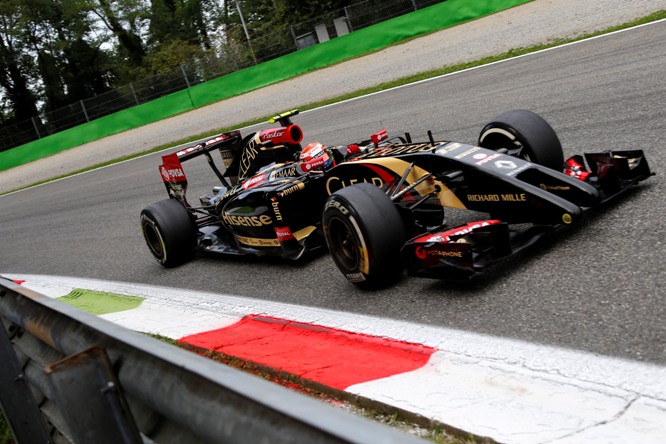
<point>315,156</point>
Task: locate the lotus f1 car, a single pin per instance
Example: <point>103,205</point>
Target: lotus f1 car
<point>381,205</point>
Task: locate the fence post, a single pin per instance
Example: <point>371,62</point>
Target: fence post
<point>182,69</point>
<point>85,113</point>
<point>349,23</point>
<point>414,5</point>
<point>136,99</point>
<point>293,35</point>
<point>88,379</point>
<point>21,410</point>
<point>34,124</point>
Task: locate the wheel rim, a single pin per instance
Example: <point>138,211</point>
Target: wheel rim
<point>497,138</point>
<point>343,244</point>
<point>153,239</point>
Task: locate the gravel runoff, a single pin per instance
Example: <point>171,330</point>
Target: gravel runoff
<point>539,21</point>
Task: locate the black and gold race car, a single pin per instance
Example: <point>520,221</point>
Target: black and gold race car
<point>381,206</point>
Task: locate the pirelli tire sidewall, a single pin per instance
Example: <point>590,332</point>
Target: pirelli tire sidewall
<point>169,231</point>
<point>364,233</point>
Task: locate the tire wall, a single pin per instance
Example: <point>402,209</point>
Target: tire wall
<point>433,18</point>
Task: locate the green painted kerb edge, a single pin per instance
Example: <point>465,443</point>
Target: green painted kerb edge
<point>363,41</point>
<point>100,302</point>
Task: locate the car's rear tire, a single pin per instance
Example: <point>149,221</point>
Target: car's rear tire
<point>527,131</point>
<point>169,231</point>
<point>364,233</point>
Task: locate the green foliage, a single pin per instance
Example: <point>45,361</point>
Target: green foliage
<point>57,52</point>
<point>168,56</point>
<point>6,436</point>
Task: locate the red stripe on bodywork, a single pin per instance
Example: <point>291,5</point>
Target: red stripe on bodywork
<point>385,175</point>
<point>333,357</point>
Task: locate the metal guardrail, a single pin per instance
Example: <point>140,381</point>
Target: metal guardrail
<point>67,376</point>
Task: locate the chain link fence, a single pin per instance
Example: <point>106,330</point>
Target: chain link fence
<point>260,49</point>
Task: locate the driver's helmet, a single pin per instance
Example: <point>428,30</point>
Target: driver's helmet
<point>315,156</point>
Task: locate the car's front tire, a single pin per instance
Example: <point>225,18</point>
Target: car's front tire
<point>169,231</point>
<point>364,233</point>
<point>526,132</point>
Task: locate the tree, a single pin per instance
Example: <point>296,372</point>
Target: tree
<point>15,68</point>
<point>57,52</point>
<point>69,60</point>
<point>178,20</point>
<point>125,19</point>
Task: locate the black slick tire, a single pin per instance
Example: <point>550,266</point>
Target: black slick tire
<point>169,231</point>
<point>527,131</point>
<point>364,233</point>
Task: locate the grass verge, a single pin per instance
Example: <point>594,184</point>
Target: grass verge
<point>659,15</point>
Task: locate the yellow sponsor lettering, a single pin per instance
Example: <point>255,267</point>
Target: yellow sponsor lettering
<point>483,197</point>
<point>515,197</point>
<point>333,184</point>
<point>258,242</point>
<point>246,221</point>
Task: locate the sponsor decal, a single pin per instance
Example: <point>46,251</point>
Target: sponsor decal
<point>171,170</point>
<point>246,221</point>
<point>479,156</point>
<point>188,150</point>
<point>517,197</point>
<point>355,277</point>
<point>292,189</point>
<point>249,154</point>
<point>543,186</point>
<point>227,157</point>
<point>272,134</point>
<point>284,234</point>
<point>276,210</point>
<point>506,164</point>
<point>335,183</point>
<point>307,166</point>
<point>258,242</point>
<point>165,174</point>
<point>487,159</point>
<point>201,145</point>
<point>337,205</point>
<point>284,172</point>
<point>176,172</point>
<point>519,170</point>
<point>445,236</point>
<point>254,181</point>
<point>566,218</point>
<point>289,134</point>
<point>420,252</point>
<point>467,152</point>
<point>394,151</point>
<point>444,253</point>
<point>448,148</point>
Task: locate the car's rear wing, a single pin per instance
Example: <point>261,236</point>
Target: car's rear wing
<point>228,140</point>
<point>171,168</point>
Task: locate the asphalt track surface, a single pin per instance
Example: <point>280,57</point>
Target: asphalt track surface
<point>598,288</point>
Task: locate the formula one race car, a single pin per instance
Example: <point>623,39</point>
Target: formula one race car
<point>379,205</point>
